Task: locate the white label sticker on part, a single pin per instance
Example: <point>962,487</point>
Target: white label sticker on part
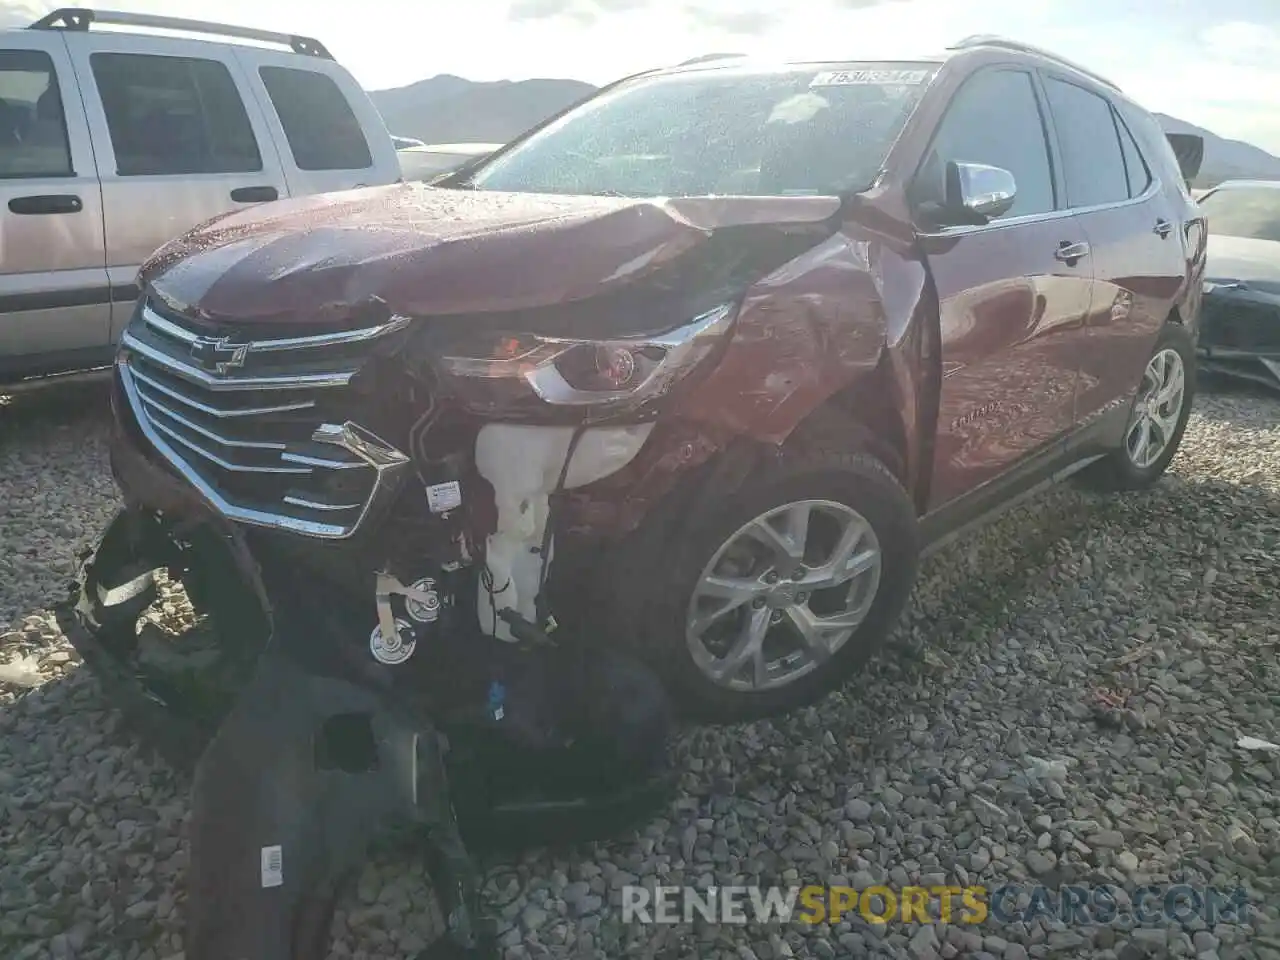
<point>852,78</point>
<point>272,866</point>
<point>442,497</point>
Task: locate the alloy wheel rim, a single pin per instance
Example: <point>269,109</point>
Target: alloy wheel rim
<point>783,594</point>
<point>1157,410</point>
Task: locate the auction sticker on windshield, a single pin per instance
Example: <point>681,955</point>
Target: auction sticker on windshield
<point>847,78</point>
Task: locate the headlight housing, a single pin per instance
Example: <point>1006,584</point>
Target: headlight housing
<point>624,372</point>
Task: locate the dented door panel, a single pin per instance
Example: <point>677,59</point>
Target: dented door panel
<point>1139,276</point>
<point>1011,315</point>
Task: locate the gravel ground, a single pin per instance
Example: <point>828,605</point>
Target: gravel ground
<point>1067,708</point>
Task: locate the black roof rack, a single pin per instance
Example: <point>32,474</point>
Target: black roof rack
<point>991,40</point>
<point>78,19</point>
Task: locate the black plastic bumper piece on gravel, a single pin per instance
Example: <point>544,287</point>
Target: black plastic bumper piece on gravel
<point>275,828</point>
<point>301,776</point>
<point>316,759</point>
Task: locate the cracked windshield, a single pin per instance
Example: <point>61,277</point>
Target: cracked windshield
<point>800,132</point>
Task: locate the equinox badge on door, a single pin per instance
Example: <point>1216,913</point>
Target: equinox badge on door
<point>221,354</point>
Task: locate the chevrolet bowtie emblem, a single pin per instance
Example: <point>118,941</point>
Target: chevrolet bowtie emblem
<point>220,354</point>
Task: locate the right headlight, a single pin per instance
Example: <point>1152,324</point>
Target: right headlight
<point>619,372</point>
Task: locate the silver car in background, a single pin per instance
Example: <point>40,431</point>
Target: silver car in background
<point>113,142</point>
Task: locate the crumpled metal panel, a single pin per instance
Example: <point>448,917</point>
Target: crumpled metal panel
<point>425,251</point>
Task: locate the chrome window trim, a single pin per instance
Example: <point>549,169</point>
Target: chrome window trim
<point>966,229</point>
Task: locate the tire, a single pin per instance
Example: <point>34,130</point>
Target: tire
<point>839,483</point>
<point>1118,471</point>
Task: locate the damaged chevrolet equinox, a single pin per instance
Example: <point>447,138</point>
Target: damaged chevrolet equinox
<point>694,370</point>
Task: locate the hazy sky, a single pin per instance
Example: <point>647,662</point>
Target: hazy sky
<point>1214,64</point>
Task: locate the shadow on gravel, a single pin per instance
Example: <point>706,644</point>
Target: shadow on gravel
<point>1223,393</point>
<point>24,416</point>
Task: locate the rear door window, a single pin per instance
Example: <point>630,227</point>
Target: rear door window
<point>995,120</point>
<point>33,132</point>
<point>174,115</point>
<point>321,127</point>
<point>1092,158</point>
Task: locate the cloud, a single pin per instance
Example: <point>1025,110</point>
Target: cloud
<point>15,13</point>
<point>581,11</point>
<point>742,19</point>
<point>1242,42</point>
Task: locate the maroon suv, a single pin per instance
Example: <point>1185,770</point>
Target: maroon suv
<point>697,367</point>
<point>691,372</point>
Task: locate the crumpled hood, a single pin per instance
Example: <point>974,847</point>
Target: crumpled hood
<point>1256,263</point>
<point>428,251</point>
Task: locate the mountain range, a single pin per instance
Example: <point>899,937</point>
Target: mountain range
<point>449,109</point>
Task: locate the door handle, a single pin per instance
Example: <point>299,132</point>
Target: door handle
<point>1163,228</point>
<point>254,194</point>
<point>46,203</point>
<point>1070,253</point>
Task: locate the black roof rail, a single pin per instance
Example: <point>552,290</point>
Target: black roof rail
<point>78,19</point>
<point>992,40</point>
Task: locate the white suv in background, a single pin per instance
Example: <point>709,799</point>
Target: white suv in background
<point>113,142</point>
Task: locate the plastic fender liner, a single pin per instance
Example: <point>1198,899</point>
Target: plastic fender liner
<point>303,775</point>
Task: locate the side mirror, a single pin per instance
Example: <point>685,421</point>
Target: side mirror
<point>979,193</point>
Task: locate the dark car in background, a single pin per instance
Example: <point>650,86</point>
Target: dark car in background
<point>1240,325</point>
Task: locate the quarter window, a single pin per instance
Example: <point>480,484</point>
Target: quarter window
<point>321,127</point>
<point>1092,159</point>
<point>995,120</point>
<point>33,132</point>
<point>1159,152</point>
<point>1134,165</point>
<point>174,116</point>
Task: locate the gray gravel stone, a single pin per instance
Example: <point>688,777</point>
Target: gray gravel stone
<point>1072,684</point>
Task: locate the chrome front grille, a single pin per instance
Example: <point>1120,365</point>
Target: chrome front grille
<point>255,424</point>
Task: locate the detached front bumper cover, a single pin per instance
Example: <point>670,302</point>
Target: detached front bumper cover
<point>280,816</point>
<point>316,754</point>
<point>302,775</point>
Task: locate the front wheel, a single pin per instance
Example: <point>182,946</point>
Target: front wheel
<point>784,589</point>
<point>1157,420</point>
